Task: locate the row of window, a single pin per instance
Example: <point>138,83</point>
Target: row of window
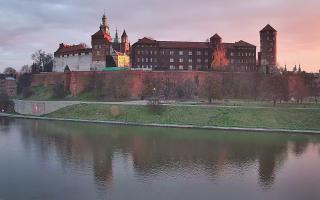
<point>243,54</point>
<point>147,60</point>
<point>242,61</point>
<point>246,48</point>
<point>180,67</point>
<point>147,66</point>
<point>74,54</point>
<point>172,60</point>
<point>190,60</point>
<point>180,53</point>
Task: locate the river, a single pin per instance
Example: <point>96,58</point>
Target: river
<point>62,160</point>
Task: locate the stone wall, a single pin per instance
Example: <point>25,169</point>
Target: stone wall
<point>80,81</point>
<point>48,79</point>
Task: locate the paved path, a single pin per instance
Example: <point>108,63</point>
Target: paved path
<point>240,129</point>
<point>45,107</point>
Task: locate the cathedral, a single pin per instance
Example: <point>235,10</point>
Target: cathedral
<point>105,52</point>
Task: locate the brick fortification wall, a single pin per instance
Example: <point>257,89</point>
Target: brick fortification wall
<point>78,82</point>
<point>47,79</point>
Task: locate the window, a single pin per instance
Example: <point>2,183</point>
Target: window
<point>171,53</point>
<point>142,60</point>
<point>147,60</point>
<point>180,67</point>
<point>98,53</point>
<point>138,59</point>
<point>172,67</point>
<point>232,54</point>
<point>181,53</point>
<point>151,60</point>
<point>206,60</point>
<point>198,53</point>
<point>171,60</point>
<point>198,60</point>
<point>181,60</point>
<point>190,53</point>
<point>190,67</point>
<point>190,60</point>
<point>206,53</point>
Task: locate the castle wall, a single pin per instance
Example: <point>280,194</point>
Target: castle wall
<point>78,82</point>
<point>75,62</point>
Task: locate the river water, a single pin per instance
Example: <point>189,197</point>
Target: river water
<point>61,160</point>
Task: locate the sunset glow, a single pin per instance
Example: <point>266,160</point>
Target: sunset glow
<point>42,24</point>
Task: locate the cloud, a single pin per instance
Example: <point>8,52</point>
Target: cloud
<point>28,25</point>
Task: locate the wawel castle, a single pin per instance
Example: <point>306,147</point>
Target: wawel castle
<point>150,54</point>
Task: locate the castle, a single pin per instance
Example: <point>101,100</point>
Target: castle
<point>105,52</point>
<point>150,54</point>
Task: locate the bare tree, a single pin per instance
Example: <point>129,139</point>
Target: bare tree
<point>9,71</point>
<point>42,62</point>
<point>212,88</point>
<point>25,69</point>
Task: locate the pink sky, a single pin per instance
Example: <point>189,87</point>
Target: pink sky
<point>28,25</point>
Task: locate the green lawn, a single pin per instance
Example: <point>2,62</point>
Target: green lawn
<point>268,117</point>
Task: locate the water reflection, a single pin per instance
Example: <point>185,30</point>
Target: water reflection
<point>160,152</point>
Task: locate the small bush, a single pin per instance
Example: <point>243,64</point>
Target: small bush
<point>59,92</point>
<point>157,109</point>
<point>6,105</point>
<point>27,92</point>
<point>115,111</point>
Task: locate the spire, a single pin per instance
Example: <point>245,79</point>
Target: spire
<point>105,25</point>
<point>116,37</point>
<point>124,37</point>
<point>124,34</point>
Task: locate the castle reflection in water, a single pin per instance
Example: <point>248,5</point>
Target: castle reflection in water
<point>152,151</point>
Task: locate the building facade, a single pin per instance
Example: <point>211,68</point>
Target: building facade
<point>8,85</point>
<point>105,52</point>
<point>151,54</point>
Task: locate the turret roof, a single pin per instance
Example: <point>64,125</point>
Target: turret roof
<point>268,27</point>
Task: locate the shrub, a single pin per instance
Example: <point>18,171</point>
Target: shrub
<point>59,92</point>
<point>115,111</point>
<point>6,105</point>
<point>27,92</point>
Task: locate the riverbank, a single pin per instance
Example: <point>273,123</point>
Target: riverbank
<point>243,117</point>
<point>240,129</point>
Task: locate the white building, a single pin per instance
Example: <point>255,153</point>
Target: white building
<point>73,58</point>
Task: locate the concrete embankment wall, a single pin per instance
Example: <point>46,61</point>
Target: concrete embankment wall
<point>39,108</point>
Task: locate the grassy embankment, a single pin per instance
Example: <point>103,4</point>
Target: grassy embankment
<point>287,118</point>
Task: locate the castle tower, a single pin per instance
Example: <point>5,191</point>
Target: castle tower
<point>101,43</point>
<point>104,25</point>
<point>125,45</point>
<point>268,49</point>
<point>215,41</point>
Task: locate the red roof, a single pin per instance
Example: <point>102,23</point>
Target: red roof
<point>101,34</point>
<point>69,49</point>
